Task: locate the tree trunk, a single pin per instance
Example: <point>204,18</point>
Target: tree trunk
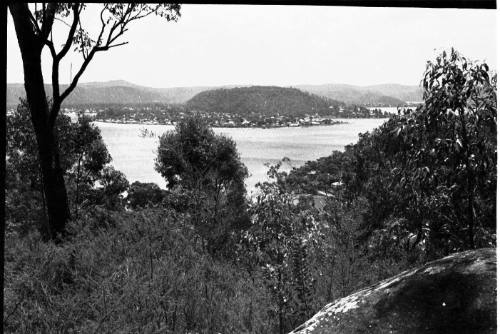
<point>53,181</point>
<point>46,133</point>
<point>470,180</point>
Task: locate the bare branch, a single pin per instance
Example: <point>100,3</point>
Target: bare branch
<point>107,47</point>
<point>119,44</point>
<point>71,33</point>
<point>117,29</point>
<point>62,21</point>
<point>117,24</point>
<point>103,26</point>
<point>146,13</point>
<point>73,84</point>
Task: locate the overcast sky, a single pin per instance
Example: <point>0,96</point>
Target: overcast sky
<point>281,45</point>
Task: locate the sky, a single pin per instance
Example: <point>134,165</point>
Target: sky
<point>212,45</point>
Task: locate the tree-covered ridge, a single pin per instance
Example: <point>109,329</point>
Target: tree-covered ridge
<point>123,92</point>
<point>359,95</point>
<point>263,100</point>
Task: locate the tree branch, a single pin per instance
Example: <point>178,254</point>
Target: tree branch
<point>34,21</point>
<point>103,26</point>
<point>48,20</point>
<point>72,86</point>
<point>62,21</point>
<point>107,47</point>
<point>71,33</point>
<point>120,23</point>
<point>55,75</point>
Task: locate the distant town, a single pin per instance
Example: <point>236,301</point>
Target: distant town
<point>171,114</point>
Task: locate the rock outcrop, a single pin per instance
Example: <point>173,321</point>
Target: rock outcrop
<point>456,294</point>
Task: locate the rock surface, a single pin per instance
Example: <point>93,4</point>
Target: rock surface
<point>456,294</point>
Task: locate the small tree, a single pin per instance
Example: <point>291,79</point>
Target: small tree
<point>429,176</point>
<point>460,98</point>
<point>34,25</point>
<point>282,232</point>
<point>207,165</point>
<point>451,163</point>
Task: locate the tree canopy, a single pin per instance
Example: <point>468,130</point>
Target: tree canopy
<point>84,161</point>
<point>207,165</point>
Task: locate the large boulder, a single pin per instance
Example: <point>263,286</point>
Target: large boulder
<point>456,294</point>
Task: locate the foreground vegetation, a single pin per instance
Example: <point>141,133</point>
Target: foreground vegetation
<point>200,257</point>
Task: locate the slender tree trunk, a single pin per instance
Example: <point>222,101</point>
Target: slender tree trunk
<point>78,176</point>
<point>46,132</point>
<point>53,182</point>
<point>46,230</point>
<point>281,305</point>
<point>470,180</point>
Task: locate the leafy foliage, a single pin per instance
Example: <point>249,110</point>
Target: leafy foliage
<point>84,161</point>
<point>208,166</point>
<point>278,241</point>
<point>142,195</point>
<point>429,176</point>
<point>442,159</point>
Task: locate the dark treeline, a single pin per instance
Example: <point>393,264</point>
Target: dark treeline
<point>201,257</point>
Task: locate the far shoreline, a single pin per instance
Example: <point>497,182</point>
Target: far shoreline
<point>233,127</point>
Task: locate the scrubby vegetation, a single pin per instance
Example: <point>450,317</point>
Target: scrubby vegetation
<point>200,257</point>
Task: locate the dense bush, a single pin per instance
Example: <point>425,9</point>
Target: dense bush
<point>193,159</point>
<point>138,272</point>
<point>427,177</point>
<point>85,161</point>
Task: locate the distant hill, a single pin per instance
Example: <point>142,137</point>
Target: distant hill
<point>262,100</point>
<point>113,92</point>
<point>123,92</point>
<point>377,95</point>
<point>402,92</point>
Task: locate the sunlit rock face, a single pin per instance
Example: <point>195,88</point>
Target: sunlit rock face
<point>456,294</point>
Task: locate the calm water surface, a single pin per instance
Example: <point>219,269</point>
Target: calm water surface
<point>134,155</point>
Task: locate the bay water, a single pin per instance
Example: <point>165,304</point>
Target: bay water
<point>134,154</point>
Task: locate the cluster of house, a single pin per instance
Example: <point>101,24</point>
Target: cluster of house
<point>145,116</point>
<point>170,115</point>
<point>273,121</point>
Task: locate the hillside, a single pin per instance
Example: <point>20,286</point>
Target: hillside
<point>113,92</point>
<point>402,92</point>
<point>123,92</point>
<point>94,93</point>
<point>377,95</point>
<point>263,100</point>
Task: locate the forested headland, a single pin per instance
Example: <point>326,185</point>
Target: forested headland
<point>202,257</point>
<point>255,106</point>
